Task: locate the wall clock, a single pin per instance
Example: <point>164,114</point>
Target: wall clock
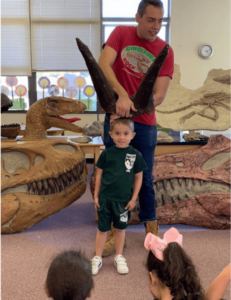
<point>206,51</point>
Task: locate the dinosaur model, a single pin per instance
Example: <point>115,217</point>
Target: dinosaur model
<point>208,101</point>
<point>224,79</point>
<point>45,113</point>
<point>143,99</point>
<point>204,108</point>
<point>40,176</point>
<point>192,187</point>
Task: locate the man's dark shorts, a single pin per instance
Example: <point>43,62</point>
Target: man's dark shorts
<point>112,211</point>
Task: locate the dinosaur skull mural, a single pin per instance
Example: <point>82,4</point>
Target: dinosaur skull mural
<point>38,179</point>
<point>193,187</point>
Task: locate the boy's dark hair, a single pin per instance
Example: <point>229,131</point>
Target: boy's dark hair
<point>125,121</point>
<point>69,277</point>
<point>144,3</point>
<point>177,272</point>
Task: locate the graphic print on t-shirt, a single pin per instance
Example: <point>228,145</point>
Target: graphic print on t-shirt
<point>129,161</point>
<point>137,59</point>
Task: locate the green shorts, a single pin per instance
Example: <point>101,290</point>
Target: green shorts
<point>112,211</point>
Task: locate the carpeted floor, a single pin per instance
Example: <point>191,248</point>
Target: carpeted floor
<point>25,256</point>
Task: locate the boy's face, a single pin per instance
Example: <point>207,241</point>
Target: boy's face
<point>121,135</point>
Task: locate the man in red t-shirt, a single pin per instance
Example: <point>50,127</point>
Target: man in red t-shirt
<point>127,55</point>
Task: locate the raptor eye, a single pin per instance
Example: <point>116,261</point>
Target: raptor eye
<point>52,103</point>
<point>216,161</point>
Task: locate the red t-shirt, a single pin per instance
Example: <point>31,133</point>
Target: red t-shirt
<point>135,55</point>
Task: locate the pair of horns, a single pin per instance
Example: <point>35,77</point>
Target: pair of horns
<point>143,99</point>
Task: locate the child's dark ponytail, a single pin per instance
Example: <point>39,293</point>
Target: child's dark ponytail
<point>177,272</point>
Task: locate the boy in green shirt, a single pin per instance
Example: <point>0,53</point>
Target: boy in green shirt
<point>119,176</point>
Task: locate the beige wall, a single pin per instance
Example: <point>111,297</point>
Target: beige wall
<point>193,23</point>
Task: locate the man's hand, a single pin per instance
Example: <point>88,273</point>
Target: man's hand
<point>123,106</point>
<point>131,204</point>
<point>113,117</point>
<point>96,202</point>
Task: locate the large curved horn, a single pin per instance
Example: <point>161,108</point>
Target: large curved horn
<point>107,97</point>
<point>143,99</point>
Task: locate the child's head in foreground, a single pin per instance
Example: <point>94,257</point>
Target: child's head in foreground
<point>170,269</point>
<point>69,277</point>
<point>122,132</point>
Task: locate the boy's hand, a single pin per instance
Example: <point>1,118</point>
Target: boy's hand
<point>96,202</point>
<point>131,204</point>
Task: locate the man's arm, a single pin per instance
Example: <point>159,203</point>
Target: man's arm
<point>106,61</point>
<point>217,288</point>
<point>160,91</point>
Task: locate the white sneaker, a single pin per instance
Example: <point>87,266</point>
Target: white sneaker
<point>96,264</point>
<point>121,265</point>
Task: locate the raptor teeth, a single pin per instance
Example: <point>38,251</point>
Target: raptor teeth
<point>180,181</point>
<point>74,172</point>
<point>72,177</point>
<point>158,186</point>
<point>51,185</point>
<point>201,182</point>
<point>45,186</point>
<point>65,180</point>
<point>31,192</point>
<point>163,198</point>
<point>187,181</point>
<point>49,190</point>
<point>55,185</point>
<point>194,181</point>
<point>28,187</point>
<point>59,183</point>
<point>68,176</point>
<point>165,184</point>
<point>34,187</point>
<point>39,186</point>
<point>172,184</point>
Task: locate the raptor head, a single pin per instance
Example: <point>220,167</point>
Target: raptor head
<point>57,106</point>
<point>46,113</point>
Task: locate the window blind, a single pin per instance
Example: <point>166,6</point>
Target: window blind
<point>54,26</point>
<point>15,38</point>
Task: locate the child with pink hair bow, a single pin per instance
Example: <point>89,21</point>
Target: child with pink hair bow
<point>172,274</point>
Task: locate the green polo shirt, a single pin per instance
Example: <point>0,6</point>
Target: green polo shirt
<point>119,166</point>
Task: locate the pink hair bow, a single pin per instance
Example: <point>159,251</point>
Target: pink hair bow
<point>157,245</point>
